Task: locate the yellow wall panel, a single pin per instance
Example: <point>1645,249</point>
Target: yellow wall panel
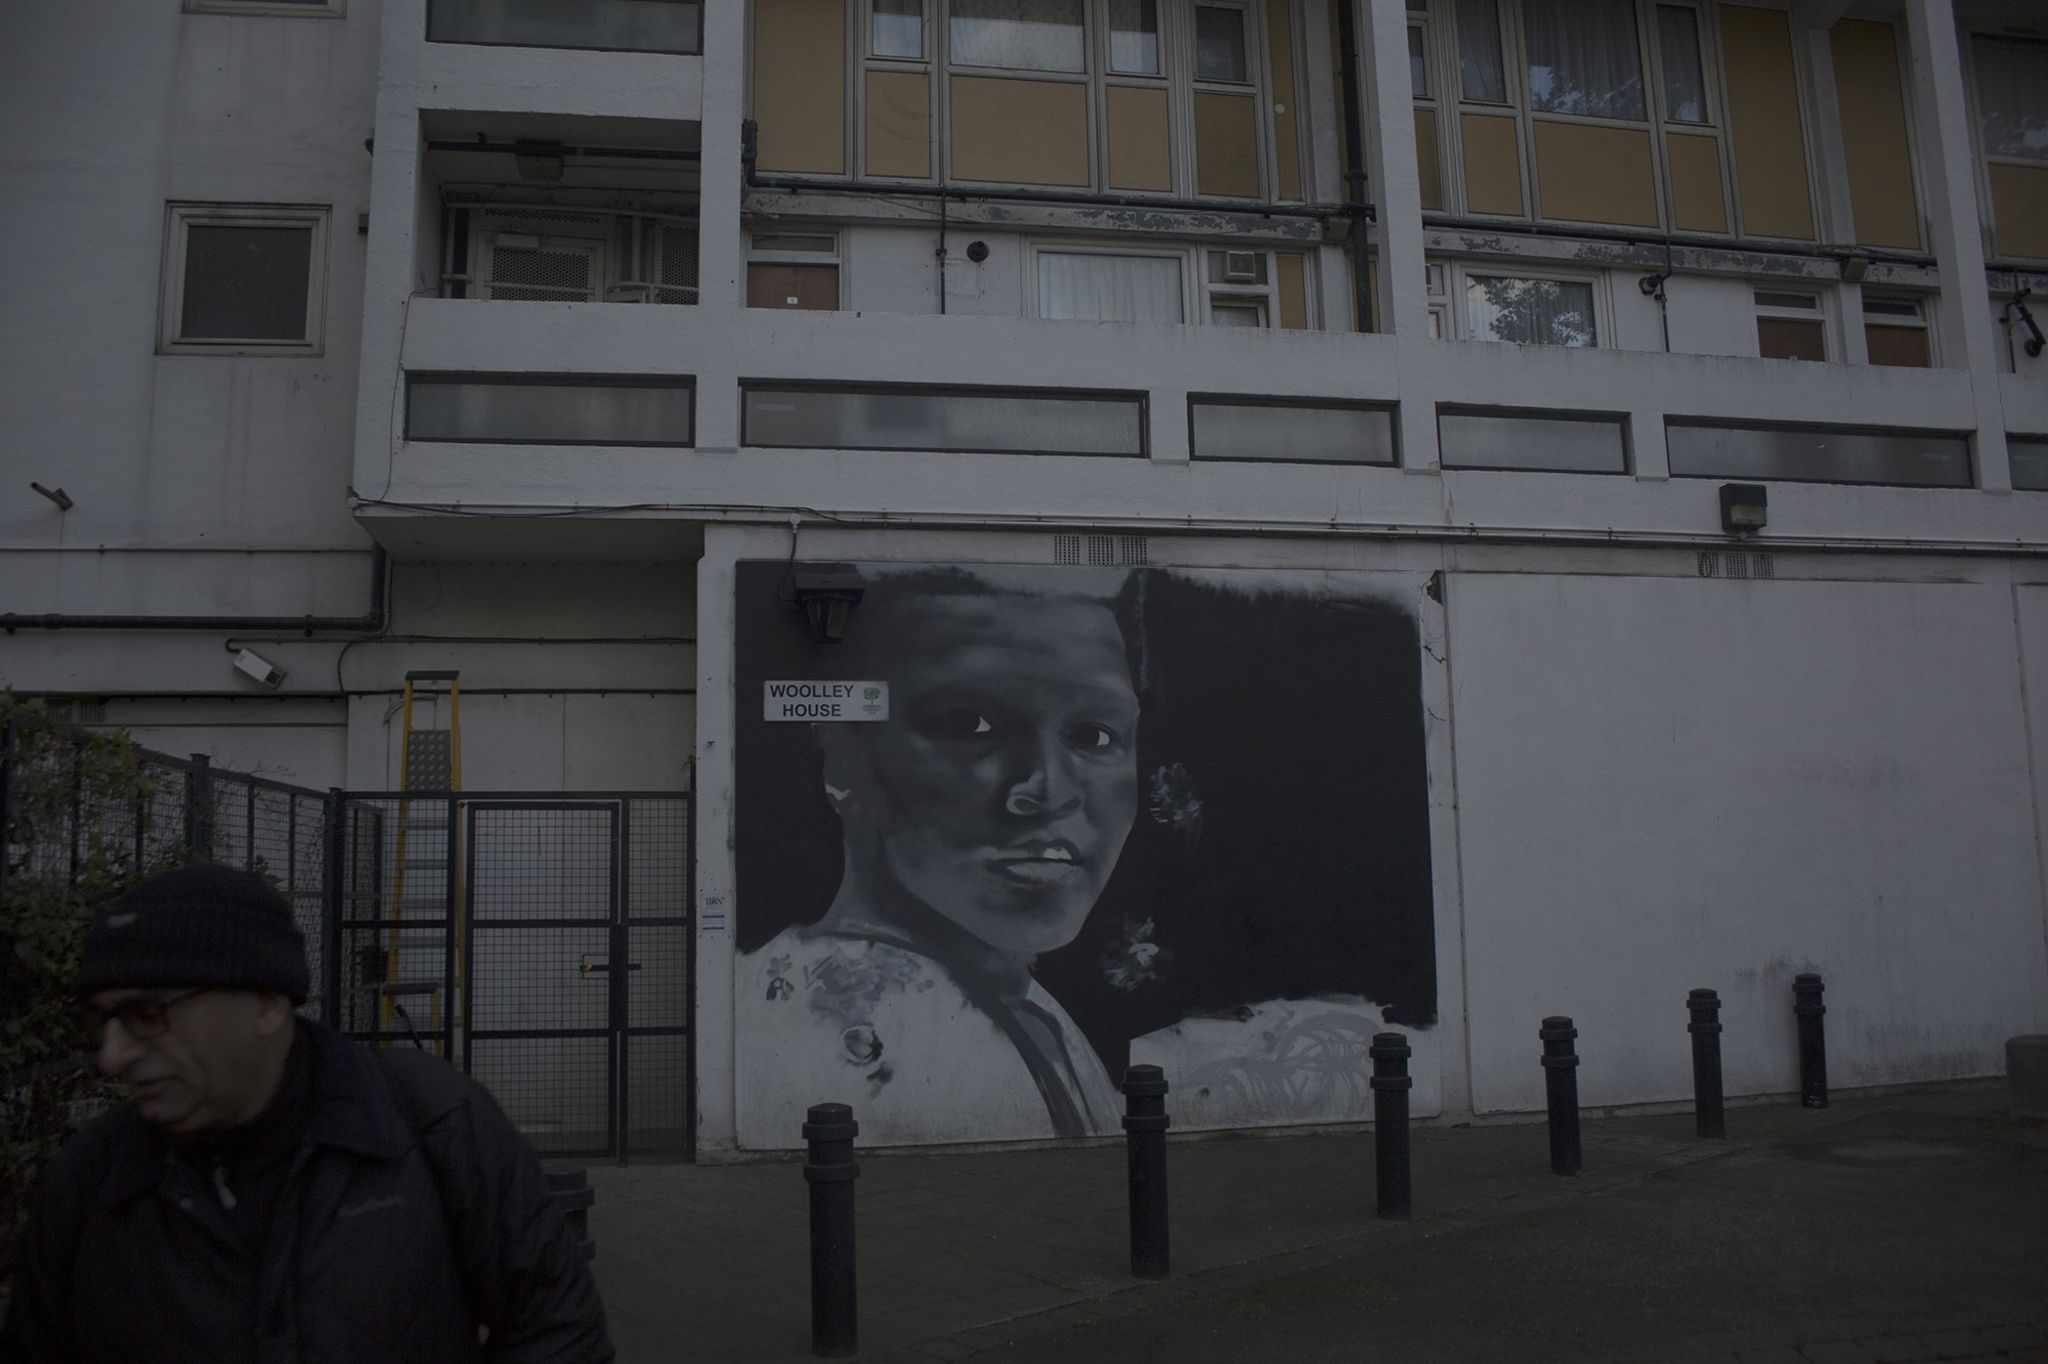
<point>1493,166</point>
<point>1226,145</point>
<point>1586,174</point>
<point>1286,138</point>
<point>1291,281</point>
<point>900,124</point>
<point>1020,132</point>
<point>2019,198</point>
<point>1771,177</point>
<point>1140,149</point>
<point>1697,202</point>
<point>1427,167</point>
<point>1874,138</point>
<point>800,85</point>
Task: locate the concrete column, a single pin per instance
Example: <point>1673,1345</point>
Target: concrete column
<point>713,831</point>
<point>720,238</point>
<point>1395,183</point>
<point>1962,320</point>
<point>1838,213</point>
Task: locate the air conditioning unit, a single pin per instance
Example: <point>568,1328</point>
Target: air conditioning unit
<point>1240,266</point>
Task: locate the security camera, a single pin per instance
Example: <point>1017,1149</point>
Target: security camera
<point>260,668</point>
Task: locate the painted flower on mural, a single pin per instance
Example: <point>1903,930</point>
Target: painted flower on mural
<point>1171,800</point>
<point>1135,958</point>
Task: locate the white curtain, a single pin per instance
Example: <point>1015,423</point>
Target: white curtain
<point>1022,35</point>
<point>1583,57</point>
<point>2012,95</point>
<point>1534,312</point>
<point>1480,73</point>
<point>1109,288</point>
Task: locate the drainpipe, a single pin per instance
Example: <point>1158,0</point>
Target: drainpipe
<point>1354,161</point>
<point>369,624</point>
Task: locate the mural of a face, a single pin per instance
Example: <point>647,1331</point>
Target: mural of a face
<point>1001,789</point>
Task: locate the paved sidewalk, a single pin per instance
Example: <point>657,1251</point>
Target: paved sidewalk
<point>1897,1228</point>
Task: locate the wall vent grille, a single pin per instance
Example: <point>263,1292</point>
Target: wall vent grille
<point>77,712</point>
<point>1737,563</point>
<point>1100,550</point>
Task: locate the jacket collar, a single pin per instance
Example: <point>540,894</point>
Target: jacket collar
<point>354,1110</point>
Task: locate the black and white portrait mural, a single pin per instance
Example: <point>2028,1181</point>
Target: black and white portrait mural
<point>1075,819</point>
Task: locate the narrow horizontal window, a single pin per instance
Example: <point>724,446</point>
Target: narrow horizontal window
<point>1291,432</point>
<point>612,25</point>
<point>2029,462</point>
<point>329,7</point>
<point>1533,312</point>
<point>892,417</point>
<point>1552,442</point>
<point>529,410</point>
<point>1022,35</point>
<point>1820,454</point>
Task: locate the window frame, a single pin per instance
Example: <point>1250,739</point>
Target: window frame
<point>1391,408</point>
<point>1822,314</point>
<point>1982,159</point>
<point>1199,294</point>
<point>1621,421</point>
<point>181,216</point>
<point>1460,273</point>
<point>306,9</point>
<point>695,51</point>
<point>1918,321</point>
<point>1134,397</point>
<point>552,379</point>
<point>1971,476</point>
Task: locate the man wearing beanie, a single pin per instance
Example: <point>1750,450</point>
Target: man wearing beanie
<point>276,1192</point>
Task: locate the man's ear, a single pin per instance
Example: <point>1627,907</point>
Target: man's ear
<point>273,1013</point>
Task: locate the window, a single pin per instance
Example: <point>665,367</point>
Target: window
<point>1020,35</point>
<point>1685,85</point>
<point>2012,122</point>
<point>897,29</point>
<point>1309,431</point>
<point>1100,287</point>
<point>1530,311</point>
<point>1896,331</point>
<point>331,8</point>
<point>1434,274</point>
<point>1134,37</point>
<point>964,420</point>
<point>244,279</point>
<point>793,270</point>
<point>1583,58</point>
<point>2029,462</point>
<point>1220,44</point>
<point>609,25</point>
<point>1819,454</point>
<point>515,409</point>
<point>1790,325</point>
<point>1554,442</point>
<point>1482,68</point>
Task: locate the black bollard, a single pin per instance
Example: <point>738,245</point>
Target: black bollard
<point>1706,1062</point>
<point>830,1169</point>
<point>1813,1043</point>
<point>1145,1124</point>
<point>1561,1083</point>
<point>1390,1086</point>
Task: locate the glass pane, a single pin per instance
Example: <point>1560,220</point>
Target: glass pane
<point>1219,44</point>
<point>1790,338</point>
<point>1477,440</point>
<point>914,419</point>
<point>2029,462</point>
<point>1481,75</point>
<point>898,28</point>
<point>1923,459</point>
<point>1025,35</point>
<point>1238,314</point>
<point>1134,37</point>
<point>1583,57</point>
<point>1418,62</point>
<point>1273,431</point>
<point>619,413</point>
<point>245,283</point>
<point>630,25</point>
<point>1095,288</point>
<point>1902,346</point>
<point>1533,312</point>
<point>1685,92</point>
<point>2012,95</point>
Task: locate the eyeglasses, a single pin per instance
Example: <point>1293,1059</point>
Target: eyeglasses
<point>143,1017</point>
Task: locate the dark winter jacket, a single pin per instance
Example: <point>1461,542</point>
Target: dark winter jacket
<point>411,1215</point>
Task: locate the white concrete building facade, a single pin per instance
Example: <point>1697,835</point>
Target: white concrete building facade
<point>1597,548</point>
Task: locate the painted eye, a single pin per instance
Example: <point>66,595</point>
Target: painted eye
<point>1091,737</point>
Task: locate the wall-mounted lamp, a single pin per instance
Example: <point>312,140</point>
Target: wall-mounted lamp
<point>540,161</point>
<point>57,495</point>
<point>977,251</point>
<point>1745,508</point>
<point>1855,266</point>
<point>827,593</point>
<point>2034,344</point>
<point>1653,285</point>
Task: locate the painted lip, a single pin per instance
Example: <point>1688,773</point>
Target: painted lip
<point>1049,864</point>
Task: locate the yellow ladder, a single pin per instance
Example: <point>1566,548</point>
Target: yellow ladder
<point>429,759</point>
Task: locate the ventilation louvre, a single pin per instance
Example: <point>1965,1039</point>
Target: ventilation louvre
<point>1737,563</point>
<point>1111,551</point>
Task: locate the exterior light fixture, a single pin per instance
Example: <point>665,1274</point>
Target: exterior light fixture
<point>827,593</point>
<point>1855,266</point>
<point>1745,508</point>
<point>57,495</point>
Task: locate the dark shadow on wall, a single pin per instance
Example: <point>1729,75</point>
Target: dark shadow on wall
<point>1294,720</point>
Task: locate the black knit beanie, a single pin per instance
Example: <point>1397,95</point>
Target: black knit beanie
<point>203,924</point>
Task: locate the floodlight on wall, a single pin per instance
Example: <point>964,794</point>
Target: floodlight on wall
<point>255,665</point>
<point>1745,508</point>
<point>540,161</point>
<point>827,593</point>
<point>57,495</point>
<point>1855,266</point>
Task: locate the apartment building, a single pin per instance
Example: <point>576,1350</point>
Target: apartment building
<point>1190,532</point>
